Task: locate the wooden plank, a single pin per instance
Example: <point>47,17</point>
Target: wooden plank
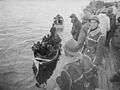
<point>107,71</point>
<point>114,59</point>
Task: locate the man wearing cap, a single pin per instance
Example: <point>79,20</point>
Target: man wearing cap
<point>76,26</point>
<point>52,31</point>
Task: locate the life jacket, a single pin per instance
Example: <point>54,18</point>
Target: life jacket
<point>90,44</point>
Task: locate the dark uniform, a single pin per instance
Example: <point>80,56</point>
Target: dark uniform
<point>76,27</point>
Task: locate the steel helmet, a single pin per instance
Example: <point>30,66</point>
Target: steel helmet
<point>94,17</point>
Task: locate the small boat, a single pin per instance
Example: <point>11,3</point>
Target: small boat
<point>58,23</point>
<point>46,56</point>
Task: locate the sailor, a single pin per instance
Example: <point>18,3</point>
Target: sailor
<point>52,31</point>
<point>71,47</point>
<point>76,27</point>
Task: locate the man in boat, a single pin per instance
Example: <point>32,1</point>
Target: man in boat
<point>54,37</point>
<point>53,28</point>
<point>71,46</point>
<point>76,26</point>
<point>82,74</point>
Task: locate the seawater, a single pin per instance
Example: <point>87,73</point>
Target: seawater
<point>23,22</point>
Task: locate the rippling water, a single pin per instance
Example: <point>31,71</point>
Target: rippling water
<point>21,23</point>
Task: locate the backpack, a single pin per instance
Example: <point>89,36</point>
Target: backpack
<point>79,75</point>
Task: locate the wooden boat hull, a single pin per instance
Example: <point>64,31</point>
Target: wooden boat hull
<point>43,68</point>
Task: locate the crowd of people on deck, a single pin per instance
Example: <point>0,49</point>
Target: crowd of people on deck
<point>96,33</point>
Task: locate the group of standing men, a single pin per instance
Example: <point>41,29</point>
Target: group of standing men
<point>90,38</point>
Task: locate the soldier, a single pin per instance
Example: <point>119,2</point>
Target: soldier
<point>76,26</point>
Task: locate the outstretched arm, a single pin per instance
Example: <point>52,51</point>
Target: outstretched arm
<point>82,36</point>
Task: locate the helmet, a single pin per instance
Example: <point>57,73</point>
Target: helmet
<point>70,48</point>
<point>94,17</point>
